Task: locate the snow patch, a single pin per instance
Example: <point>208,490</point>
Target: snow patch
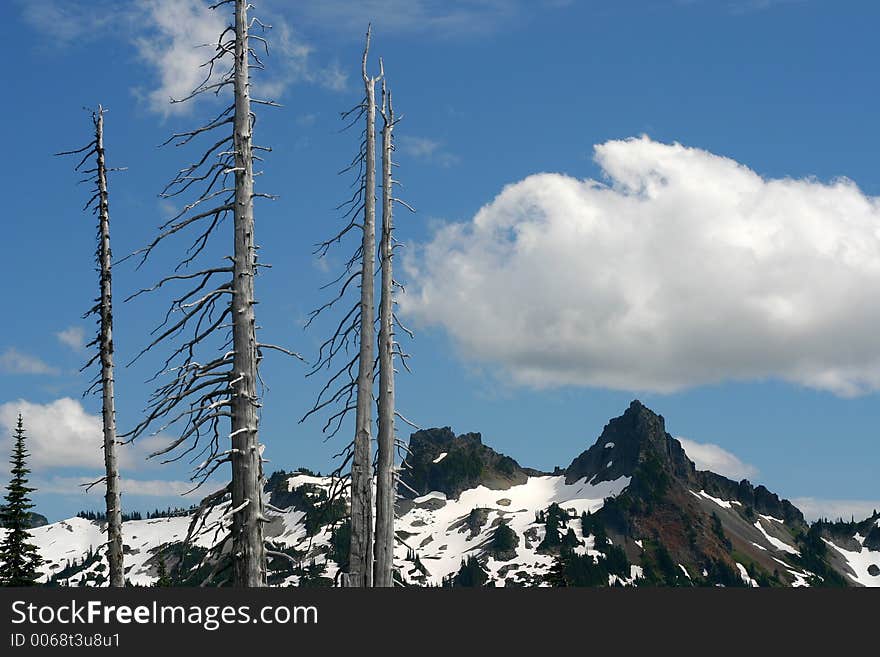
<point>775,542</point>
<point>744,575</point>
<point>433,495</point>
<point>781,522</point>
<point>722,503</point>
<point>859,562</point>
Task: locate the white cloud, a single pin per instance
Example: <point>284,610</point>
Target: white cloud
<point>62,434</point>
<point>73,337</point>
<point>815,508</point>
<point>707,456</point>
<point>686,269</point>
<point>427,150</point>
<point>181,35</point>
<point>13,361</point>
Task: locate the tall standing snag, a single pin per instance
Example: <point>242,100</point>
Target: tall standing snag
<point>387,476</point>
<point>249,567</point>
<point>361,554</point>
<point>351,385</point>
<point>100,205</point>
<point>385,489</point>
<point>203,393</point>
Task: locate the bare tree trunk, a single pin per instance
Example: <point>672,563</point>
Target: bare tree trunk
<point>108,410</point>
<point>361,552</point>
<point>385,491</point>
<point>200,391</point>
<point>249,557</point>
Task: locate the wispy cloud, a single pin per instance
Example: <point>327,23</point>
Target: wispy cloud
<point>178,39</point>
<point>461,19</point>
<point>73,337</point>
<point>707,456</point>
<point>13,361</point>
<point>63,21</point>
<point>141,487</point>
<point>427,150</point>
<point>306,120</point>
<point>739,7</point>
<point>749,6</point>
<point>174,38</point>
<point>292,61</point>
<point>815,508</point>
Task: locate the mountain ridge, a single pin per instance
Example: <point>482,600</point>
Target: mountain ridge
<point>631,509</point>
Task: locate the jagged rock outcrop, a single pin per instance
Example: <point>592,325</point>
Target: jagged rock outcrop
<point>439,460</point>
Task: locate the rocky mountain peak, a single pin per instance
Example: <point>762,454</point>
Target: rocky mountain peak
<point>625,442</point>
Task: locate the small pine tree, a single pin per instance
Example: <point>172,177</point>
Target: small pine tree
<point>20,558</point>
<point>164,580</point>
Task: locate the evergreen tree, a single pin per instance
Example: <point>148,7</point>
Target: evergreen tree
<point>164,579</point>
<point>504,539</point>
<point>20,558</point>
<point>471,573</point>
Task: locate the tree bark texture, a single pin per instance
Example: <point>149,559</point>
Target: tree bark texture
<point>105,345</point>
<point>361,552</point>
<point>249,556</point>
<point>385,490</point>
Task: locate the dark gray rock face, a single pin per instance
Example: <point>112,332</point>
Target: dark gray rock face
<point>33,520</point>
<point>872,540</point>
<point>626,441</point>
<point>441,461</point>
<point>757,497</point>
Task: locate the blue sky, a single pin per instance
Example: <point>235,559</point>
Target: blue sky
<point>727,282</point>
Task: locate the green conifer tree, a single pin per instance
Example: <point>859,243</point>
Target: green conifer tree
<point>20,558</point>
<point>164,579</point>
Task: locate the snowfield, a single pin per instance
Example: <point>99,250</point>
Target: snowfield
<point>860,562</point>
<point>435,527</point>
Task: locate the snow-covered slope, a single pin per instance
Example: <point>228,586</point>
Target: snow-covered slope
<point>434,528</point>
<point>437,529</point>
<point>440,532</point>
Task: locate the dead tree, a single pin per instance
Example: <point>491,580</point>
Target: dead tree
<point>361,554</point>
<point>350,387</point>
<point>217,314</point>
<point>103,309</point>
<point>385,489</point>
<point>387,475</point>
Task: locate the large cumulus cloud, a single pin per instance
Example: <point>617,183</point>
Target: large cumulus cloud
<point>682,268</point>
